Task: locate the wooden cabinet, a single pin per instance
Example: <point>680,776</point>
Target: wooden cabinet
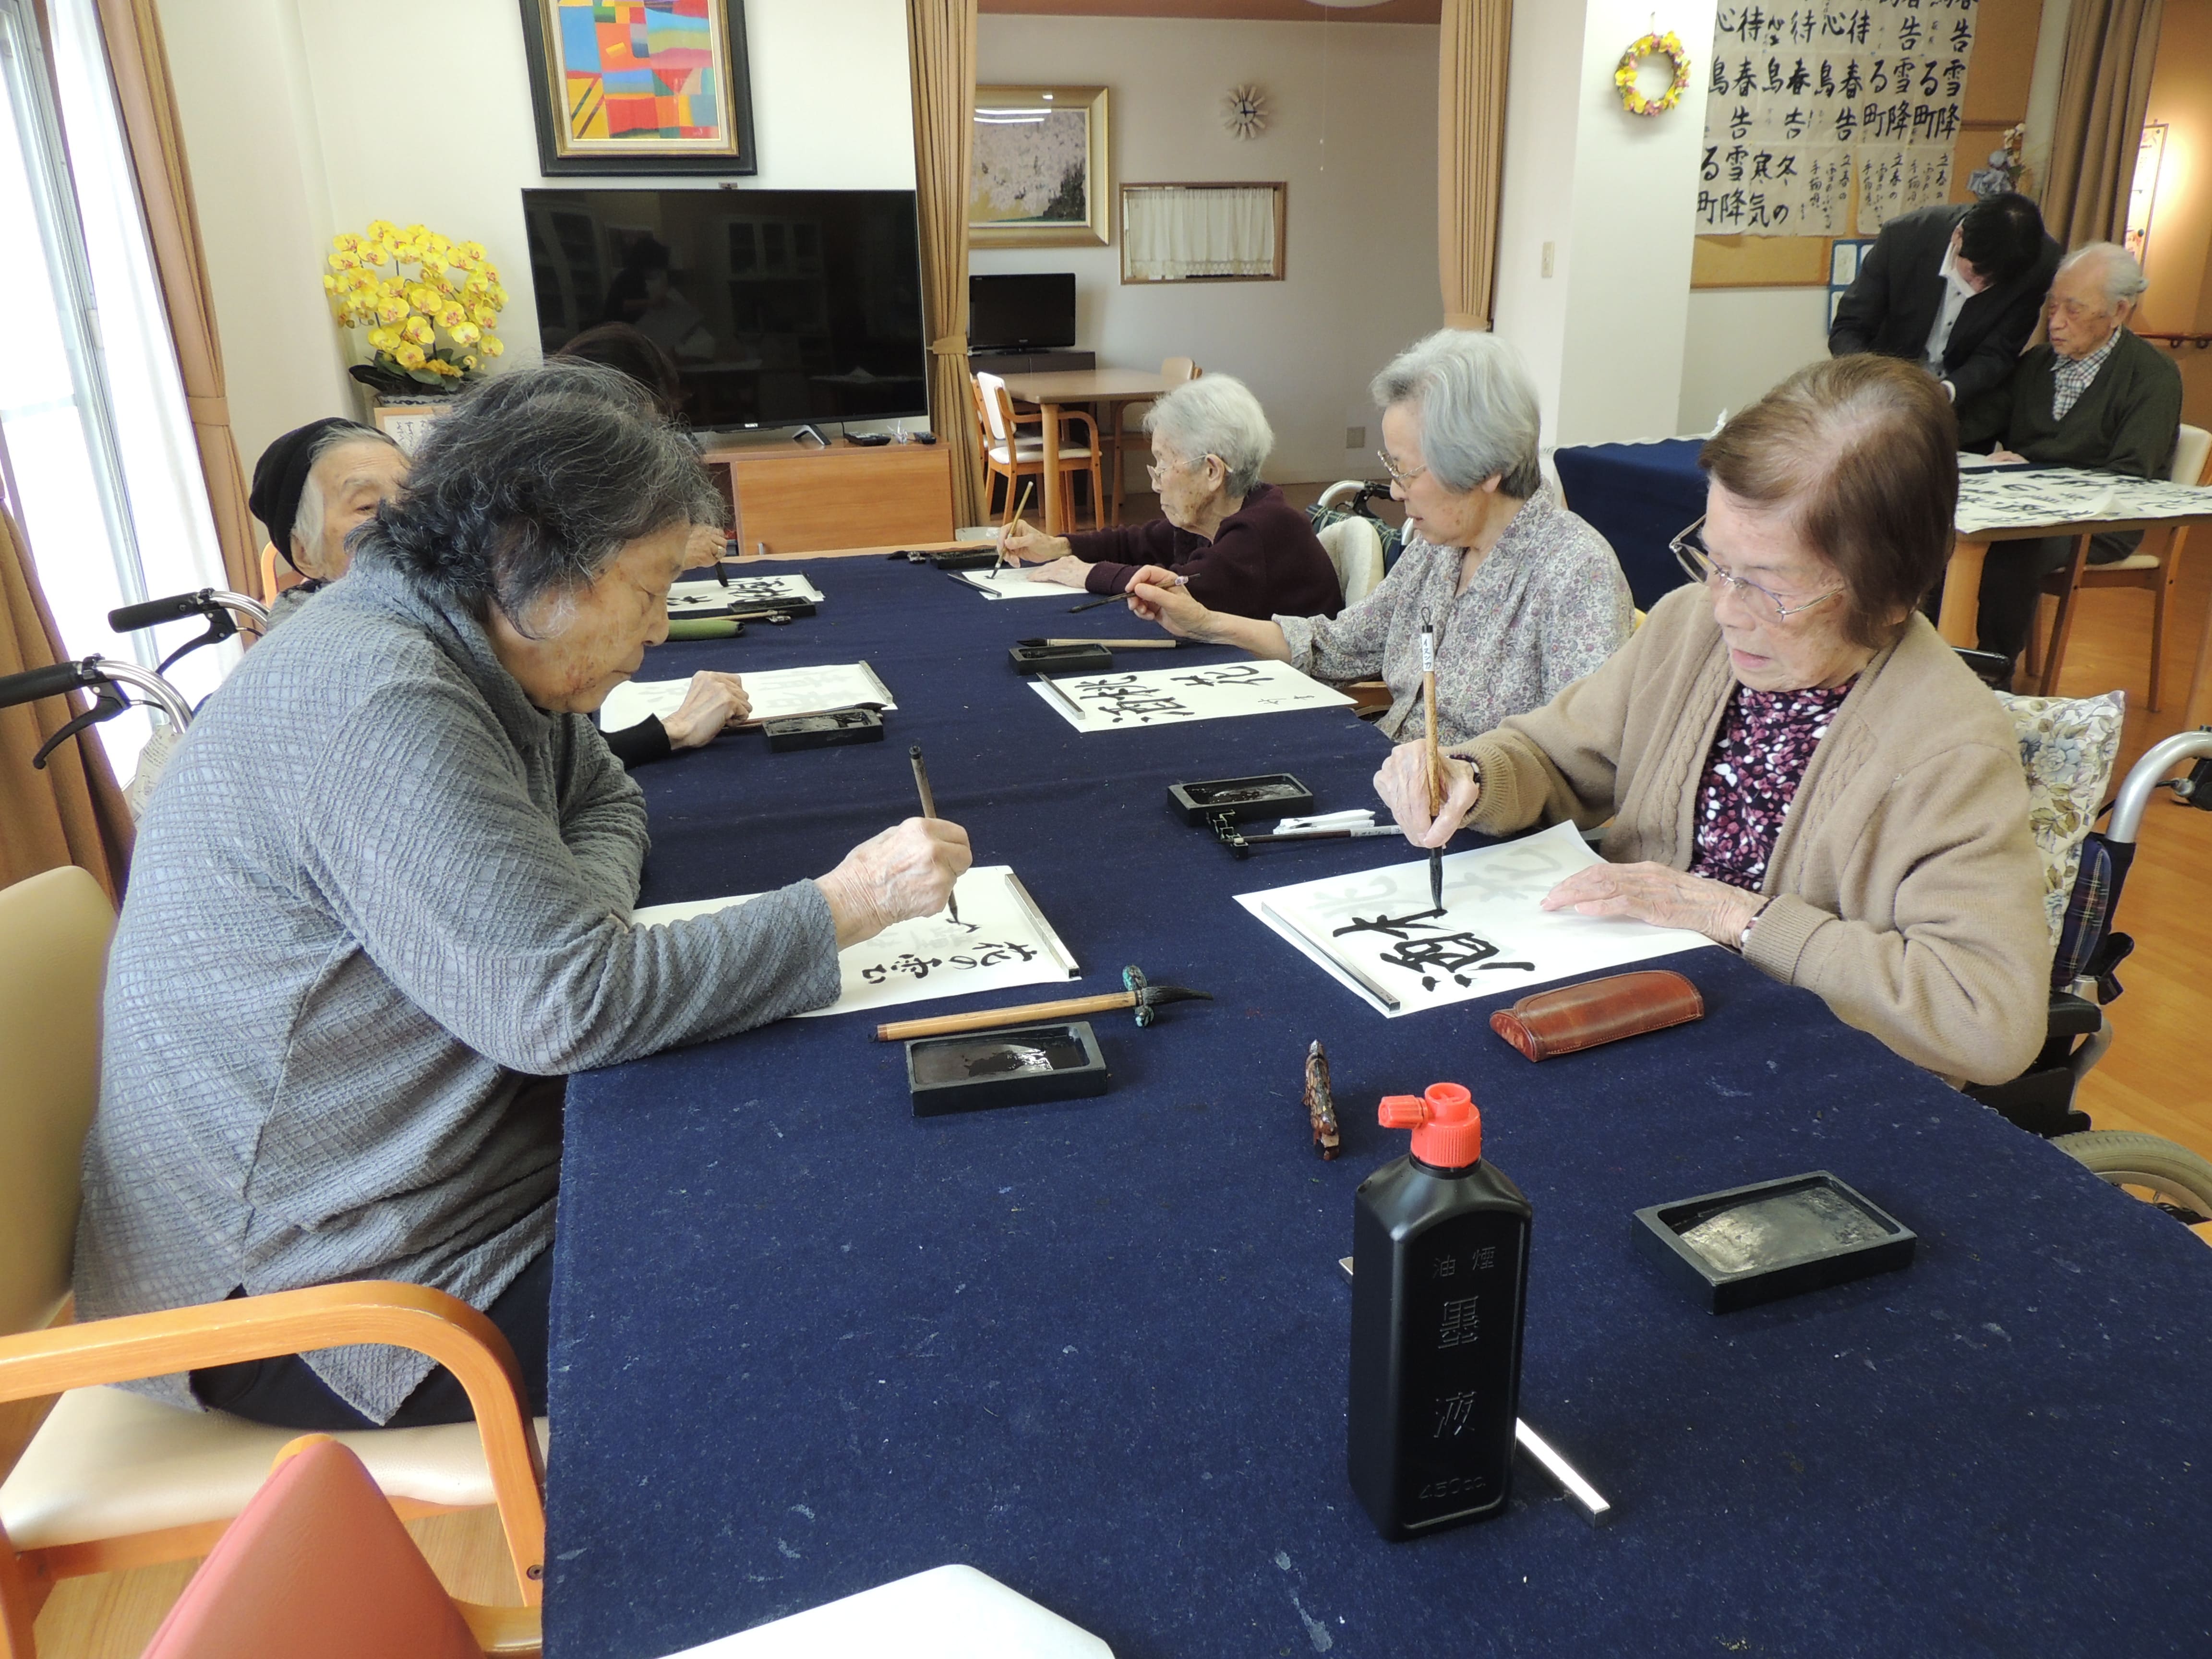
<point>1029,362</point>
<point>788,500</point>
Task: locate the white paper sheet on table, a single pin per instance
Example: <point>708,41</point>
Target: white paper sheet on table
<point>711,598</point>
<point>947,1613</point>
<point>1163,696</point>
<point>1011,584</point>
<point>1001,940</point>
<point>776,693</point>
<point>1379,921</point>
<point>2017,498</point>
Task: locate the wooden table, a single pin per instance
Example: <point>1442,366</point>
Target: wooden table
<point>1110,388</point>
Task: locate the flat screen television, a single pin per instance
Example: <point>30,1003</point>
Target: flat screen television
<point>1034,311</point>
<point>779,306</point>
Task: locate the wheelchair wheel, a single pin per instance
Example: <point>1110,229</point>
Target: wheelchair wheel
<point>2151,1167</point>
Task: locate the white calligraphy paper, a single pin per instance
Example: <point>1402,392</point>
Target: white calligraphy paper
<point>1001,940</point>
<point>1803,99</point>
<point>776,694</point>
<point>1011,584</point>
<point>2020,499</point>
<point>1378,925</point>
<point>1163,696</point>
<point>711,598</point>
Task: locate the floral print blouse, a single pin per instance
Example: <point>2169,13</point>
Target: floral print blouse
<point>1765,742</point>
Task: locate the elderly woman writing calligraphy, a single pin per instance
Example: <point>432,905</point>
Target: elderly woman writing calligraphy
<point>1524,597</point>
<point>1792,762</point>
<point>381,901</point>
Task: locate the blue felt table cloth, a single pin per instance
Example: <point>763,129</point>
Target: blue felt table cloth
<point>1639,497</point>
<point>805,1343</point>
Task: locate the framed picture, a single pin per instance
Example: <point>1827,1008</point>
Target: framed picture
<point>1040,173</point>
<point>640,86</point>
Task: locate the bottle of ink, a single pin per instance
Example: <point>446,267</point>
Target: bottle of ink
<point>1440,1266</point>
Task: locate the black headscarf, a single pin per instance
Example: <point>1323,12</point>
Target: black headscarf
<point>280,477</point>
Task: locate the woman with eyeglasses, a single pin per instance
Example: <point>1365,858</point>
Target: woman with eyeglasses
<point>1524,597</point>
<point>1789,759</point>
<point>1234,542</point>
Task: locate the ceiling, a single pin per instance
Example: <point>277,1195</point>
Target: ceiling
<point>1300,11</point>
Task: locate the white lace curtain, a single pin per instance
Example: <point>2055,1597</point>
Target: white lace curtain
<point>1171,232</point>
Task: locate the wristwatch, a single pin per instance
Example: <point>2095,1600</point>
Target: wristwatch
<point>1743,939</point>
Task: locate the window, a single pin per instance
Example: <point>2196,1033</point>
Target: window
<point>97,454</point>
<point>1202,233</point>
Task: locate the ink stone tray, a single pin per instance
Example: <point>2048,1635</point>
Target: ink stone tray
<point>831,730</point>
<point>1272,795</point>
<point>1061,659</point>
<point>976,1070</point>
<point>1759,1244</point>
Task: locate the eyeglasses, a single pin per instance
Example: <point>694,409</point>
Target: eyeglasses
<point>1156,473</point>
<point>1697,558</point>
<point>1391,467</point>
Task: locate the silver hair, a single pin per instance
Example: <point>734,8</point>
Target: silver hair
<point>1477,409</point>
<point>1215,415</point>
<point>307,521</point>
<point>2123,278</point>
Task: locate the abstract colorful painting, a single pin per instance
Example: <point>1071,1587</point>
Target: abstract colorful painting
<point>638,86</point>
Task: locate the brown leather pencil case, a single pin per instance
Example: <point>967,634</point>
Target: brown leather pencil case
<point>1599,1010</point>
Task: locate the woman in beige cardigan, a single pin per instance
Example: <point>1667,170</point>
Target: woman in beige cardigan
<point>1793,761</point>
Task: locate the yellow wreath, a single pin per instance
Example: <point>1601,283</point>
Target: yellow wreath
<point>1667,46</point>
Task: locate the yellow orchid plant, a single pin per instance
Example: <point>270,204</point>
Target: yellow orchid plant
<point>433,327</point>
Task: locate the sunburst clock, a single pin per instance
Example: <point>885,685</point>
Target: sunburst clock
<point>1245,112</point>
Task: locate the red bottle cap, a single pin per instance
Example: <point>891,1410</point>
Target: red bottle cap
<point>1447,1125</point>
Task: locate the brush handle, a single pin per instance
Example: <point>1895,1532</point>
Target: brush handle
<point>990,1019</point>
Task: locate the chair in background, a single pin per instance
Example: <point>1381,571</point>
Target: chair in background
<point>1119,429</point>
<point>1009,455</point>
<point>1355,548</point>
<point>317,1563</point>
<point>2153,571</point>
<point>277,574</point>
<point>110,1480</point>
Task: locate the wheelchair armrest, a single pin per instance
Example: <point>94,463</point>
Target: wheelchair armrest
<point>2072,1017</point>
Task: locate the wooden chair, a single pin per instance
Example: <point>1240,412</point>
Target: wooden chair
<point>106,1479</point>
<point>2155,572</point>
<point>317,1563</point>
<point>277,573</point>
<point>1009,455</point>
<point>1175,371</point>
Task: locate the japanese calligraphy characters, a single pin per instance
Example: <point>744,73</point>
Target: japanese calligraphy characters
<point>2029,500</point>
<point>1111,702</point>
<point>776,694</point>
<point>1802,98</point>
<point>712,598</point>
<point>1376,929</point>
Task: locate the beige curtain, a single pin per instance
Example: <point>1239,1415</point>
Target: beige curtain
<point>141,69</point>
<point>1477,37</point>
<point>2103,91</point>
<point>70,812</point>
<point>940,37</point>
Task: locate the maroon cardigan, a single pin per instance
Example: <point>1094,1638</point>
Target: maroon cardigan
<point>1265,560</point>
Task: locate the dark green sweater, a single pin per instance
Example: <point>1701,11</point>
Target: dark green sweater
<point>2126,422</point>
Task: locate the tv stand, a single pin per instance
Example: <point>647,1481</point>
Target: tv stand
<point>1029,362</point>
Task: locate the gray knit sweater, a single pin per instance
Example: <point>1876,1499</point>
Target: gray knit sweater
<point>376,894</point>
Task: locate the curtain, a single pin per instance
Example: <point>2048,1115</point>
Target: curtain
<point>141,69</point>
<point>940,37</point>
<point>1477,39</point>
<point>1172,232</point>
<point>71,812</point>
<point>2103,91</point>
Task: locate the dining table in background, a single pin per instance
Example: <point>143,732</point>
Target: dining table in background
<point>1107,390</point>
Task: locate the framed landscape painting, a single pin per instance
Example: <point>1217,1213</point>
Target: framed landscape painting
<point>1040,176</point>
<point>640,86</point>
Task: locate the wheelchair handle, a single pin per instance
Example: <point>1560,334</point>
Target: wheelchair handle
<point>34,683</point>
<point>2147,774</point>
<point>207,601</point>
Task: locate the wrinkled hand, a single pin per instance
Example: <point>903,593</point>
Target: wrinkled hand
<point>1156,596</point>
<point>1661,896</point>
<point>1403,783</point>
<point>1023,542</point>
<point>715,701</point>
<point>2005,457</point>
<point>908,870</point>
<point>1069,572</point>
<point>707,544</point>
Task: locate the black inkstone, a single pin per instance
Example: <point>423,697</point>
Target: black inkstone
<point>1759,1244</point>
<point>980,1070</point>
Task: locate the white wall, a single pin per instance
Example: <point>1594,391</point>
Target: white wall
<point>1352,130</point>
<point>303,117</point>
<point>1742,341</point>
<point>1613,193</point>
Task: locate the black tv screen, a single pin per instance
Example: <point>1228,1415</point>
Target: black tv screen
<point>1030,312</point>
<point>778,306</point>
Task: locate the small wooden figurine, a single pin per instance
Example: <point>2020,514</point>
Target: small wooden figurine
<point>1320,1105</point>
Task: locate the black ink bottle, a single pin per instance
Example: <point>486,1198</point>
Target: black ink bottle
<point>1440,1266</point>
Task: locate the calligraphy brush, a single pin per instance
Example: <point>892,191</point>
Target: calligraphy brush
<point>1435,763</point>
<point>929,810</point>
<point>720,554</point>
<point>1012,519</point>
<point>1092,604</point>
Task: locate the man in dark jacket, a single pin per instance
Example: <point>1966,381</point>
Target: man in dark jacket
<point>1956,288</point>
<point>2097,396</point>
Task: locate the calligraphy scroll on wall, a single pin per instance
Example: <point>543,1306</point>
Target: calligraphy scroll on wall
<point>1806,100</point>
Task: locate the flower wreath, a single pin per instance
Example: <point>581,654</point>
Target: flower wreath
<point>1667,46</point>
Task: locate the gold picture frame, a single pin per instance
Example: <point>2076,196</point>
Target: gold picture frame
<point>1041,175</point>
